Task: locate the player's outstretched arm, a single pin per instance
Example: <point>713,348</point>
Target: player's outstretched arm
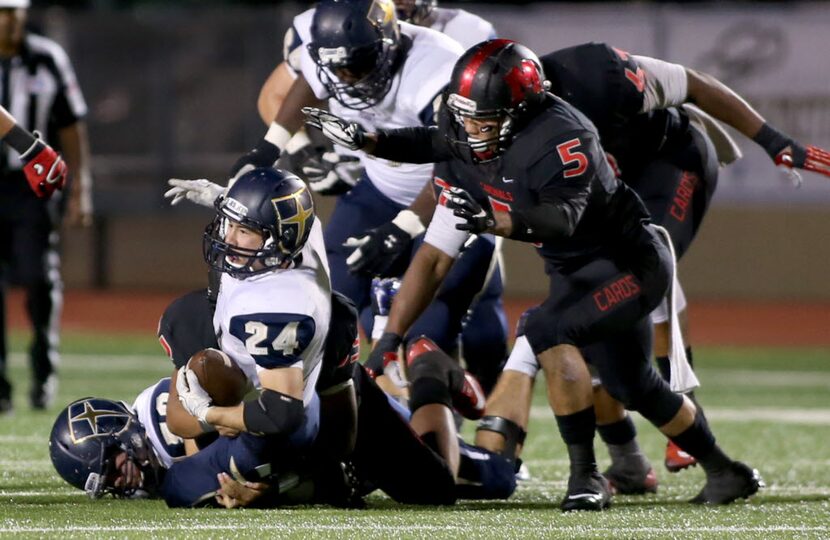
<point>715,98</point>
<point>425,274</point>
<point>44,168</point>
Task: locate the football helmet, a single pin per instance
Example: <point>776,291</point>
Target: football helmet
<point>355,44</point>
<point>86,439</point>
<point>496,79</point>
<point>414,11</point>
<point>271,201</point>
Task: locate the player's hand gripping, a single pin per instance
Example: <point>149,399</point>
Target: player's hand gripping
<point>789,155</point>
<point>44,168</point>
<point>462,204</point>
<point>378,249</point>
<point>384,352</point>
<point>202,192</point>
<point>348,134</point>
<point>193,397</point>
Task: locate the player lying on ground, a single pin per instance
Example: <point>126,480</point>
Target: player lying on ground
<point>107,447</point>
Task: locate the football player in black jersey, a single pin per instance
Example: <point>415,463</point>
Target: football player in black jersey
<point>521,163</point>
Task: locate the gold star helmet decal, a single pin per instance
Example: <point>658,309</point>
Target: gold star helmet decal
<point>303,212</point>
<point>84,425</point>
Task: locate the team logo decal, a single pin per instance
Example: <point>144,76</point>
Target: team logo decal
<point>87,421</point>
<point>296,211</point>
<point>383,11</point>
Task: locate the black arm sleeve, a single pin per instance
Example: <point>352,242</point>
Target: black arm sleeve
<point>273,413</point>
<point>412,145</point>
<point>554,217</point>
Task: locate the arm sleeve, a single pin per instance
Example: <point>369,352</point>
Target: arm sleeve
<point>666,83</point>
<point>562,194</point>
<point>442,233</point>
<point>412,145</point>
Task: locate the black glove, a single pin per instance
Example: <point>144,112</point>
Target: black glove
<point>348,134</point>
<point>462,204</point>
<point>327,172</point>
<point>380,248</point>
<point>264,154</point>
<point>385,351</point>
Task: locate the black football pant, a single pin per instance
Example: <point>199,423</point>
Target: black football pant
<point>677,187</point>
<point>603,308</point>
<point>29,257</point>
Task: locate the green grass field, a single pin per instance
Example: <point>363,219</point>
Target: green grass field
<point>770,408</point>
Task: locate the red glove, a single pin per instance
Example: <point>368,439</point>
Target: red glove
<point>811,158</point>
<point>790,155</point>
<point>44,168</point>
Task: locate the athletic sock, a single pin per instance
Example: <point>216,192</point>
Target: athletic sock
<point>699,442</point>
<point>577,431</point>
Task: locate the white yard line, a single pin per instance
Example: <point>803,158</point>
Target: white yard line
<point>464,528</point>
<point>816,417</point>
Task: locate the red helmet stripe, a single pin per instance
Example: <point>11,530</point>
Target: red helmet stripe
<point>467,77</point>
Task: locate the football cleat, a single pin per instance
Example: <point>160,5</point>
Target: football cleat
<point>631,475</point>
<point>590,493</point>
<point>676,459</point>
<point>42,394</point>
<point>736,482</point>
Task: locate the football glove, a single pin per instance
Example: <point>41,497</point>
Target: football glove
<point>462,204</point>
<point>264,154</point>
<point>202,192</point>
<point>384,353</point>
<point>789,155</point>
<point>348,134</point>
<point>193,397</point>
<point>380,248</point>
<point>327,173</point>
<point>44,168</point>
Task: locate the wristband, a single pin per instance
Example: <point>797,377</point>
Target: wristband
<point>19,139</point>
<point>409,222</point>
<point>277,135</point>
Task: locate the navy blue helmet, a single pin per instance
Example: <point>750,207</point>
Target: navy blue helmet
<point>274,203</point>
<point>496,79</point>
<point>414,11</point>
<point>356,45</point>
<point>87,437</point>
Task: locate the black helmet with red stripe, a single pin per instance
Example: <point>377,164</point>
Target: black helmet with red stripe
<point>496,79</point>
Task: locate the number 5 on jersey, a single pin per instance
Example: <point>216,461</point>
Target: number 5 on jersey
<point>569,155</point>
<point>274,339</point>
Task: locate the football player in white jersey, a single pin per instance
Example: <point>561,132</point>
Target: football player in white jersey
<point>466,28</point>
<point>273,310</point>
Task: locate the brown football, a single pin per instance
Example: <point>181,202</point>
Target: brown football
<point>223,380</point>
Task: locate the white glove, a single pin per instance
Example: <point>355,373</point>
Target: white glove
<point>194,398</point>
<point>202,192</point>
<point>348,134</point>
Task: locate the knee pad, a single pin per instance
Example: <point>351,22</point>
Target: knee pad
<point>419,346</point>
<point>512,432</point>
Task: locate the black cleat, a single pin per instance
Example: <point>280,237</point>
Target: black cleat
<point>631,475</point>
<point>590,493</point>
<point>736,482</point>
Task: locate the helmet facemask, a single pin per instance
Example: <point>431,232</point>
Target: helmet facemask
<point>220,254</point>
<point>372,65</point>
<point>482,149</point>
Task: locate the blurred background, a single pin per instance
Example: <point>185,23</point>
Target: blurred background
<point>172,89</point>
